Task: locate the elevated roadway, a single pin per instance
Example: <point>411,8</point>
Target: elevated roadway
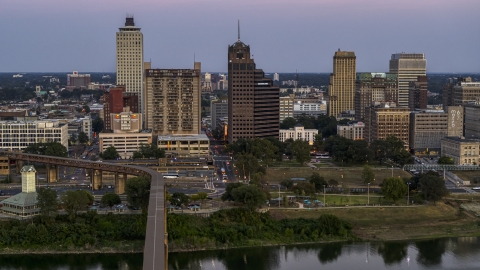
<point>155,255</point>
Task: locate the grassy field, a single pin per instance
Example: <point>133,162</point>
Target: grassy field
<point>472,176</point>
<point>350,176</point>
<point>396,223</point>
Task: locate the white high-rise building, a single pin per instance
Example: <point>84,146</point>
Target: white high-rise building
<point>276,77</point>
<point>408,67</point>
<point>130,60</point>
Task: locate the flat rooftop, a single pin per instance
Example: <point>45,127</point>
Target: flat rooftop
<point>199,137</point>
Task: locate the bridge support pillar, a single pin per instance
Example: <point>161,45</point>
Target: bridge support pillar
<point>96,179</point>
<point>18,166</point>
<point>52,173</point>
<point>120,180</point>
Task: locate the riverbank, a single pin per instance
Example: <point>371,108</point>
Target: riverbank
<point>402,223</point>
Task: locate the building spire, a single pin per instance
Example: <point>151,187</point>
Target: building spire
<point>238,30</point>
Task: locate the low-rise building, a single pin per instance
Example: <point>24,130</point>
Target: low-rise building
<point>298,132</point>
<point>125,143</point>
<point>17,135</point>
<point>429,127</point>
<point>353,130</point>
<point>185,145</point>
<point>309,108</point>
<point>24,204</point>
<point>463,151</point>
<point>384,120</point>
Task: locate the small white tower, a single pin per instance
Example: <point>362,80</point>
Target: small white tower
<point>28,178</point>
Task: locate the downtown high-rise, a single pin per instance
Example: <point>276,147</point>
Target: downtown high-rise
<point>130,60</point>
<point>408,67</point>
<point>253,101</point>
<point>341,90</point>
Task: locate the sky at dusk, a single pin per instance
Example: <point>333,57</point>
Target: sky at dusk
<point>284,35</point>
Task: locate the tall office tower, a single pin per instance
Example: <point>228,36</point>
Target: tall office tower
<point>172,101</point>
<point>276,77</point>
<point>447,93</point>
<point>374,87</point>
<point>130,60</point>
<point>253,101</point>
<point>408,66</point>
<point>342,83</point>
<point>114,101</point>
<point>418,93</point>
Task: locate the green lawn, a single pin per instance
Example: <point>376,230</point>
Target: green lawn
<point>350,176</point>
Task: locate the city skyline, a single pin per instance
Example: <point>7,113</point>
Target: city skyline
<point>58,36</point>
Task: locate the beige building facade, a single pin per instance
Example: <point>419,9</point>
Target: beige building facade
<point>298,133</point>
<point>172,100</point>
<point>185,146</point>
<point>129,57</point>
<point>286,107</point>
<point>125,143</point>
<point>341,89</point>
<point>126,121</point>
<point>353,130</point>
<point>383,120</point>
<point>408,67</point>
<point>17,135</point>
<point>463,151</point>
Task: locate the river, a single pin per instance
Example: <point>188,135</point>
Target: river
<point>451,253</point>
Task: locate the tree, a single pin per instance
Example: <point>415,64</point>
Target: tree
<point>86,109</point>
<point>97,125</point>
<point>227,196</point>
<point>394,188</point>
<point>179,199</point>
<point>149,151</point>
<point>287,183</point>
<point>138,192</point>
<point>110,199</point>
<point>332,182</point>
<point>47,201</point>
<point>73,138</point>
<point>251,196</point>
<point>74,201</point>
<point>82,138</point>
<point>110,153</point>
<point>288,122</point>
<point>301,150</point>
<point>367,174</point>
<point>432,186</point>
<point>218,133</point>
<point>202,196</point>
<point>317,181</point>
<point>49,149</point>
<point>304,189</point>
<point>445,160</point>
<point>247,164</point>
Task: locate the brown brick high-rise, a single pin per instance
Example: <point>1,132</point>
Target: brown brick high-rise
<point>253,102</point>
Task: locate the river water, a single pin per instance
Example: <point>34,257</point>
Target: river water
<point>451,253</point>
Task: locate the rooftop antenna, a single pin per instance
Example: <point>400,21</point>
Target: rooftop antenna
<point>238,30</point>
<point>194,57</point>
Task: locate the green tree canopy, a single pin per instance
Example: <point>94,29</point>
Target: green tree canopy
<point>287,123</point>
<point>301,151</point>
<point>287,183</point>
<point>304,188</point>
<point>394,188</point>
<point>110,199</point>
<point>97,125</point>
<point>367,174</point>
<point>179,199</point>
<point>227,196</point>
<point>49,149</point>
<point>75,200</point>
<point>138,192</point>
<point>149,151</point>
<point>432,186</point>
<point>318,182</point>
<point>47,201</point>
<point>445,160</point>
<point>82,137</point>
<point>110,153</point>
<point>202,196</point>
<point>251,196</point>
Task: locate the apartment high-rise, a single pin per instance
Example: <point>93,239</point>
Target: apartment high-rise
<point>253,101</point>
<point>172,101</point>
<point>374,87</point>
<point>130,60</point>
<point>341,90</point>
<point>408,66</point>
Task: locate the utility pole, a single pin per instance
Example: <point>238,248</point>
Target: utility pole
<point>324,202</point>
<point>408,193</point>
<point>368,194</point>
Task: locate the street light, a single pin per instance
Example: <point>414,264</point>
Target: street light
<point>392,171</point>
<point>408,196</point>
<point>368,194</point>
<point>324,202</point>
